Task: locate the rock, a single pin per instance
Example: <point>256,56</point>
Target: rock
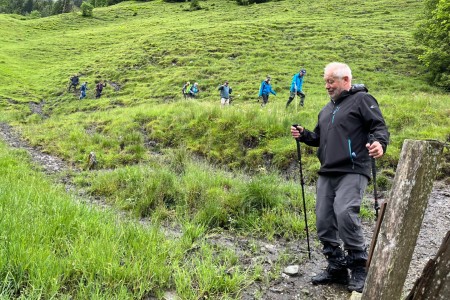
<point>278,290</point>
<point>355,296</point>
<point>292,270</point>
<point>170,296</point>
<point>270,248</point>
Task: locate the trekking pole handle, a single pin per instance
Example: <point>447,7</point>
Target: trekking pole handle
<point>296,127</point>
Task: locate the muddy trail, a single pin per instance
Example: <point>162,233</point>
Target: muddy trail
<point>268,254</point>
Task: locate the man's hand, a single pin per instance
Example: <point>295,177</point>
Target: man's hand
<point>375,149</point>
<point>296,131</point>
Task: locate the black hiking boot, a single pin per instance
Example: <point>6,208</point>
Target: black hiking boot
<point>302,99</point>
<point>330,276</point>
<point>356,262</point>
<point>336,271</point>
<point>358,279</point>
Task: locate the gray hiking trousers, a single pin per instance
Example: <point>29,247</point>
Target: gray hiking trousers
<point>337,210</point>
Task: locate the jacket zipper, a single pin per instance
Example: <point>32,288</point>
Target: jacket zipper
<point>334,113</point>
<point>352,154</point>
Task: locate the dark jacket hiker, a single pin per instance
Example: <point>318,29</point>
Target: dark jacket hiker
<point>74,81</point>
<point>99,89</point>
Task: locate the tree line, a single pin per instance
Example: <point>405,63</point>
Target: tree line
<point>42,7</point>
<point>45,8</point>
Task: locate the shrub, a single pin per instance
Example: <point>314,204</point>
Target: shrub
<point>247,2</point>
<point>86,9</point>
<point>432,33</point>
<point>195,5</point>
<point>35,14</point>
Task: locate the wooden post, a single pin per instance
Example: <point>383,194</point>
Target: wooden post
<point>435,280</point>
<point>405,210</point>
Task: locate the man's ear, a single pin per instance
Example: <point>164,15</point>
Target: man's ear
<point>346,80</point>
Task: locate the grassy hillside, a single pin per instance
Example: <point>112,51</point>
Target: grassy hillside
<point>191,161</point>
<point>147,51</point>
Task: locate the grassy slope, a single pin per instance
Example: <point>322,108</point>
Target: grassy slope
<point>150,49</point>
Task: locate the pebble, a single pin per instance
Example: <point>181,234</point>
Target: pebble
<point>292,270</point>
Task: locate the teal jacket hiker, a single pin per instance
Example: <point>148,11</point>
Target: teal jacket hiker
<point>265,89</point>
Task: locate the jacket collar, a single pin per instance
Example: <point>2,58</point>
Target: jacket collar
<point>341,97</point>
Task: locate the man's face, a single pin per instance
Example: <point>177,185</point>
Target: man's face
<point>335,85</point>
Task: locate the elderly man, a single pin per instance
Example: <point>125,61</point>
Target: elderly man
<point>342,135</point>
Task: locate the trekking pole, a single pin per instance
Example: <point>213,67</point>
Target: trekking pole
<point>376,205</point>
<point>302,183</point>
<point>379,213</point>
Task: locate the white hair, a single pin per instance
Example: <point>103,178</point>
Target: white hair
<point>339,70</point>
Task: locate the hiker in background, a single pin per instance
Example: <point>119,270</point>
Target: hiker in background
<point>193,91</point>
<point>296,88</point>
<point>225,92</point>
<point>185,89</point>
<point>74,81</point>
<point>264,91</point>
<point>342,135</point>
<point>99,89</point>
<point>83,90</point>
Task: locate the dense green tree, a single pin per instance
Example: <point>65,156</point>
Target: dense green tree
<point>45,7</point>
<point>27,7</point>
<point>86,9</point>
<point>11,6</point>
<point>62,6</point>
<point>433,34</point>
<point>98,3</point>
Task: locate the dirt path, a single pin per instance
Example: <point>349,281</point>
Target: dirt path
<point>251,251</point>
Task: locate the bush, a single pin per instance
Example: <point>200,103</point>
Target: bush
<point>247,2</point>
<point>195,5</point>
<point>35,14</point>
<point>433,36</point>
<point>86,9</point>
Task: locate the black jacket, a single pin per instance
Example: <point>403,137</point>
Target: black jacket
<point>343,130</point>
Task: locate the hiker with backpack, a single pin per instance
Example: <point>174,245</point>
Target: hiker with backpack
<point>193,91</point>
<point>264,91</point>
<point>83,90</point>
<point>99,89</point>
<point>74,81</point>
<point>345,154</point>
<point>225,91</point>
<point>185,89</point>
<point>296,88</point>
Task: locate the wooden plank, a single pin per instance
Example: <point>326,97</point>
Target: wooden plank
<point>434,283</point>
<point>376,232</point>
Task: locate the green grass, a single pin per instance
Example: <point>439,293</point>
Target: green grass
<point>53,247</point>
<point>186,163</point>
